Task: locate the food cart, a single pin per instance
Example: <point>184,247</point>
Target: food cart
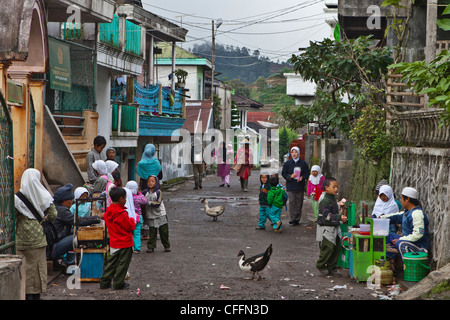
<point>90,244</point>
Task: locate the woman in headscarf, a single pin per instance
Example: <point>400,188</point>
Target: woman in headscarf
<point>243,164</point>
<point>110,157</point>
<point>149,165</point>
<point>224,154</point>
<point>30,237</point>
<point>295,184</point>
<point>385,203</point>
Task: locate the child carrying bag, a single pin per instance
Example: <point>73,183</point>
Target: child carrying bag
<point>51,234</point>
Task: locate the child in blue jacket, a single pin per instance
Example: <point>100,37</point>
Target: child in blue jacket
<point>263,204</point>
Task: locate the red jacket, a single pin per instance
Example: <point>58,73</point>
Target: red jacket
<point>120,226</point>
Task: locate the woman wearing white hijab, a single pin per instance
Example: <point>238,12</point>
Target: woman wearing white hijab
<point>385,203</point>
<point>30,238</point>
<point>295,184</point>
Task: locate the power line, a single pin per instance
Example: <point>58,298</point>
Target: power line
<point>224,20</point>
<point>283,12</point>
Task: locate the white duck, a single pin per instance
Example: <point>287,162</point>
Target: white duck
<point>256,263</point>
<point>214,211</point>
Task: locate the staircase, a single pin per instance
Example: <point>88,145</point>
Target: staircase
<point>59,165</point>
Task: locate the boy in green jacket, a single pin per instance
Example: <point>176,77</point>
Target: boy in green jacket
<point>328,232</point>
<point>275,202</point>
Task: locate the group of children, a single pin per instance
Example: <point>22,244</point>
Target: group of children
<point>322,192</point>
<point>272,197</point>
<point>328,216</point>
<point>125,210</point>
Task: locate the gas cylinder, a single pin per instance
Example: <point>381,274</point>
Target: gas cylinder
<point>386,274</point>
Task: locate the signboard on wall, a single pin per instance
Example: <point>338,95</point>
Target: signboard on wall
<point>60,73</point>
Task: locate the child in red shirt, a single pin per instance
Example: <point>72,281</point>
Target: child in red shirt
<point>120,228</point>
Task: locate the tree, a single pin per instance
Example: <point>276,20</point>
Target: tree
<point>286,135</point>
<point>432,79</point>
<point>350,68</point>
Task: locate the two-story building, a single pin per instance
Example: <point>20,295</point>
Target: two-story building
<point>108,59</point>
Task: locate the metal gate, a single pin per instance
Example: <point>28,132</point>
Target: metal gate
<point>7,218</point>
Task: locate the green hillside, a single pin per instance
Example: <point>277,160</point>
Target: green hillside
<point>238,63</point>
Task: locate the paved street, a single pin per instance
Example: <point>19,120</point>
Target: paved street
<point>204,255</point>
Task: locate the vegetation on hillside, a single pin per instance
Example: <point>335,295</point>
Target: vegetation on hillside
<point>234,62</point>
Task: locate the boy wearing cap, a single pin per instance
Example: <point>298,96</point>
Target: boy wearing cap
<point>414,223</point>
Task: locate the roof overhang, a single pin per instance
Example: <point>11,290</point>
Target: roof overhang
<point>99,11</point>
<point>184,62</point>
<point>156,26</point>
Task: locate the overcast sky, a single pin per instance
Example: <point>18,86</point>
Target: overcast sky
<point>277,28</point>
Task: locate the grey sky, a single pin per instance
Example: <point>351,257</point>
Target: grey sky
<point>276,28</point>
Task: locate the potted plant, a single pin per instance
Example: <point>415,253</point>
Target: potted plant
<point>181,77</point>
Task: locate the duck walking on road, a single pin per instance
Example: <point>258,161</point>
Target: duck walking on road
<point>214,211</point>
<point>256,263</point>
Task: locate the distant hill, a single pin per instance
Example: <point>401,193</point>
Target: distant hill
<point>239,63</point>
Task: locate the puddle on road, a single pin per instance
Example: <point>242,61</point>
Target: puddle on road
<point>232,201</point>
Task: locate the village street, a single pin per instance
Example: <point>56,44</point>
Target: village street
<point>204,257</point>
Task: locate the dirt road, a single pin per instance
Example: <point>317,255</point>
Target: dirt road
<point>203,255</point>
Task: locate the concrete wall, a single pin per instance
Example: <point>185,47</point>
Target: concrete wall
<point>195,74</point>
<point>103,95</point>
<point>12,277</point>
<point>171,169</point>
<point>164,152</point>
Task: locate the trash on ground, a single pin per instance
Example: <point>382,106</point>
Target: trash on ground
<point>338,287</point>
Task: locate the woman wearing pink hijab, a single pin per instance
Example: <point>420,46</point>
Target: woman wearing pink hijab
<point>223,158</point>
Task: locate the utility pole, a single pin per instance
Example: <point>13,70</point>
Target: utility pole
<point>213,49</point>
<point>213,58</point>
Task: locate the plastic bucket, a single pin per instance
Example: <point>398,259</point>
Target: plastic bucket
<point>380,227</point>
<point>415,266</point>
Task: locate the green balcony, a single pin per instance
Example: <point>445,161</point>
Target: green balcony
<point>109,33</point>
<point>125,120</point>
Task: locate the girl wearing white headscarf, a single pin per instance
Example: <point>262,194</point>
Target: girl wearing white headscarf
<point>30,238</point>
<point>104,182</point>
<point>139,200</point>
<point>111,166</point>
<point>385,204</point>
<point>84,208</point>
<point>114,172</point>
<point>315,188</point>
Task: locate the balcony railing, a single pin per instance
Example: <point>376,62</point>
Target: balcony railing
<point>109,33</point>
<point>152,100</point>
<point>125,120</point>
